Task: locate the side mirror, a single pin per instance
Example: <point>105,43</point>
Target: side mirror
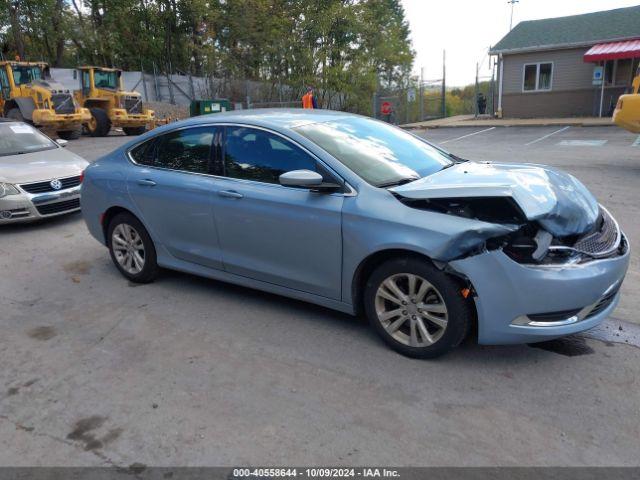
<point>61,142</point>
<point>301,178</point>
<point>307,179</point>
<point>75,74</point>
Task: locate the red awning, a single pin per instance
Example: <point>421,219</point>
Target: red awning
<point>611,51</point>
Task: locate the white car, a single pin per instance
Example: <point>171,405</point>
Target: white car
<point>38,177</point>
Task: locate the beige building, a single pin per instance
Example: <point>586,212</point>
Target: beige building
<point>567,66</point>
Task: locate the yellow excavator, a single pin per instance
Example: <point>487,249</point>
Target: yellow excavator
<point>28,94</point>
<point>627,112</point>
<point>103,93</point>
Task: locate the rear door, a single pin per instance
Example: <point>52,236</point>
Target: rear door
<point>282,235</point>
<point>172,189</point>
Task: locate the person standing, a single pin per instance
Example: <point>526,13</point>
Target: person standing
<point>309,99</point>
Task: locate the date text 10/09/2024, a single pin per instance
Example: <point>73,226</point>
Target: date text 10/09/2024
<point>363,472</point>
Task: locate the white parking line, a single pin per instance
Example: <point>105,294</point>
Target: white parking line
<point>583,143</point>
<point>637,142</point>
<point>468,135</point>
<point>547,136</point>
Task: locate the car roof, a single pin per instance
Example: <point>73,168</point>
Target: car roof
<point>270,117</point>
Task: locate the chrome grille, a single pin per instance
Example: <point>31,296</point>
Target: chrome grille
<point>133,104</point>
<point>44,187</point>
<point>603,241</point>
<point>63,103</point>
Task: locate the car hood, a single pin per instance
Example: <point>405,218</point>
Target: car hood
<point>559,202</point>
<point>37,166</point>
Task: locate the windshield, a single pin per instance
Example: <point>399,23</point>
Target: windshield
<point>104,79</point>
<point>17,138</point>
<point>23,74</point>
<point>379,153</point>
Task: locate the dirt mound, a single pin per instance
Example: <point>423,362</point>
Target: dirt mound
<point>166,110</point>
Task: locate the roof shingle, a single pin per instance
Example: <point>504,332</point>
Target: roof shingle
<point>589,28</point>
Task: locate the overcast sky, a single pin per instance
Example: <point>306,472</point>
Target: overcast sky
<point>466,29</point>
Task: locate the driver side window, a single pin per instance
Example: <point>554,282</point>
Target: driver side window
<point>253,154</point>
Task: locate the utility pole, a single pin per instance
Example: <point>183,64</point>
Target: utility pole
<point>477,91</point>
<point>421,89</point>
<point>512,2</point>
<point>444,84</point>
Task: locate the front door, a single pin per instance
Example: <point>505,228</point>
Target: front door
<point>172,189</point>
<point>286,236</point>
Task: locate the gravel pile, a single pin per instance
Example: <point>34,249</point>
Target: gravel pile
<point>164,110</point>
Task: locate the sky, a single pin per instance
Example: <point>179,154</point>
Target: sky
<point>466,29</point>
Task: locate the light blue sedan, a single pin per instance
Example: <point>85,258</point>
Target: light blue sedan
<point>362,217</point>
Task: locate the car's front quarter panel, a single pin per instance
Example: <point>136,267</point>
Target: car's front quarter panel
<point>375,221</point>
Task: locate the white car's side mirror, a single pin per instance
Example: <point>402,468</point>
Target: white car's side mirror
<point>61,142</point>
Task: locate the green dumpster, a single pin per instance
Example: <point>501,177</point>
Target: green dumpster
<point>204,107</point>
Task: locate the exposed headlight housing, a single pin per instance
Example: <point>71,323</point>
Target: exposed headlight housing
<point>8,189</point>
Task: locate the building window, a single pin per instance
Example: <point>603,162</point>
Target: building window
<point>537,77</point>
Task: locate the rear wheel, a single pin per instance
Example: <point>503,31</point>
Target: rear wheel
<point>418,310</point>
<point>132,249</point>
<point>132,131</point>
<point>69,134</point>
<point>99,125</point>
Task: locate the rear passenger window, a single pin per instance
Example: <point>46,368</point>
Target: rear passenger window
<point>261,156</point>
<point>188,150</point>
<point>143,153</point>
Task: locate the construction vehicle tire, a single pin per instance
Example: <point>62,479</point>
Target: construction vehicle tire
<point>99,125</point>
<point>69,134</point>
<point>132,131</point>
<point>15,114</point>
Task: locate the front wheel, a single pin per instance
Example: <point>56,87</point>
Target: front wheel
<point>418,310</point>
<point>99,124</point>
<point>134,131</point>
<point>132,249</point>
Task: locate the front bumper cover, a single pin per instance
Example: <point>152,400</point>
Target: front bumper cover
<point>26,207</point>
<point>507,291</point>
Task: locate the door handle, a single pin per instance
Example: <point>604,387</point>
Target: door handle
<point>230,194</point>
<point>146,182</point>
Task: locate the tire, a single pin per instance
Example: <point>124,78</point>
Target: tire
<point>118,228</point>
<point>70,134</point>
<point>15,114</point>
<point>133,131</point>
<point>100,124</point>
<point>441,309</point>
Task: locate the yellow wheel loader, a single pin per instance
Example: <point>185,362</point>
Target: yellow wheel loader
<point>627,112</point>
<point>102,92</point>
<point>28,94</point>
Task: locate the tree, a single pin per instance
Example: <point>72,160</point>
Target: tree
<point>344,48</point>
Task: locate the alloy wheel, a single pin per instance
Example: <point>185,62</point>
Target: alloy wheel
<point>411,310</point>
<point>128,248</point>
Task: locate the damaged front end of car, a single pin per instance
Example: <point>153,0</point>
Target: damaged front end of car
<point>551,218</point>
<point>558,263</point>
